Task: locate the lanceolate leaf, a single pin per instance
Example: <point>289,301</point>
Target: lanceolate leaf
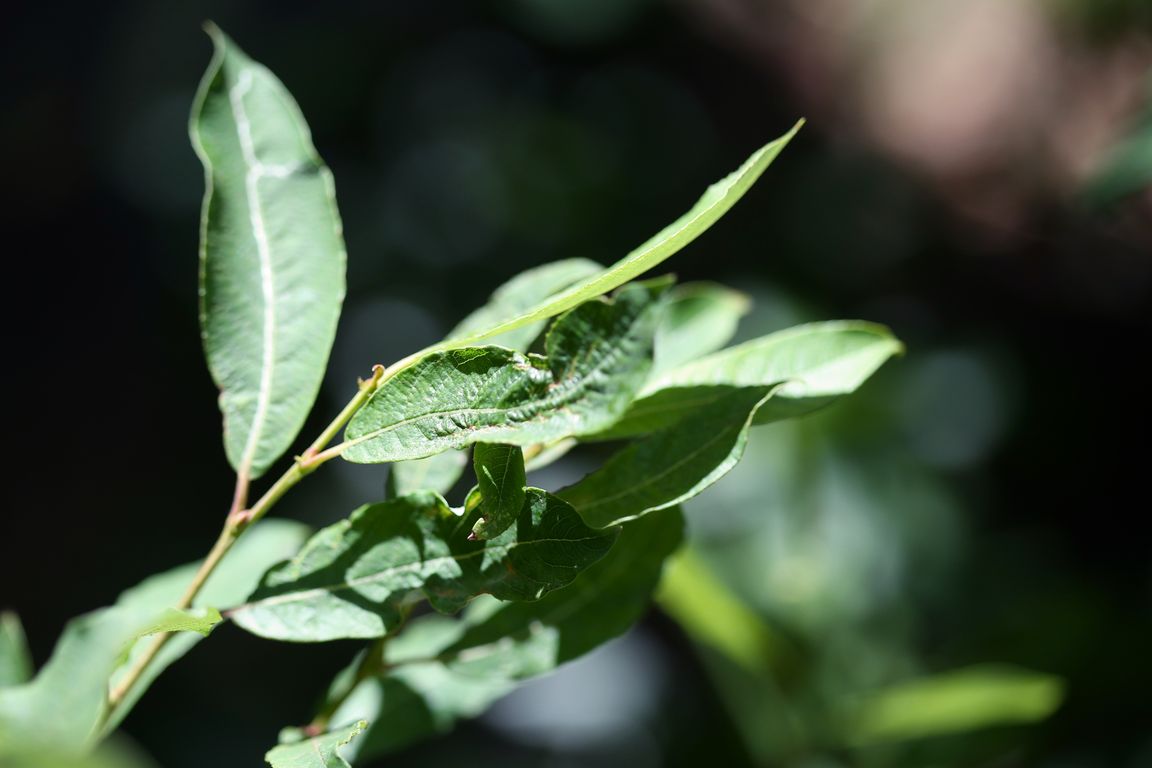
<point>501,480</point>
<point>63,706</point>
<point>233,580</point>
<point>351,578</point>
<point>954,702</point>
<point>15,661</point>
<point>441,670</point>
<point>435,473</point>
<point>598,356</point>
<point>815,364</point>
<point>272,256</point>
<point>713,615</point>
<point>716,201</point>
<point>199,620</point>
<point>316,752</point>
<point>670,466</point>
<point>700,318</point>
<point>520,294</point>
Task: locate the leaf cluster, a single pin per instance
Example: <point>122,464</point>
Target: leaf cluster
<point>518,579</point>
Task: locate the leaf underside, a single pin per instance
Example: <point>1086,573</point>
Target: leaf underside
<point>813,365</point>
<point>317,752</point>
<point>272,256</point>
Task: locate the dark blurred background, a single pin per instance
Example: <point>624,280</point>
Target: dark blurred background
<point>974,173</point>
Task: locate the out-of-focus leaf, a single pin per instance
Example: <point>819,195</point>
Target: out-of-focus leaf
<point>317,752</point>
<point>519,295</point>
<point>199,620</point>
<point>112,754</point>
<point>713,616</point>
<point>501,481</point>
<point>349,579</point>
<point>15,661</point>
<point>60,708</point>
<point>717,200</point>
<point>700,318</point>
<point>1127,167</point>
<point>267,543</point>
<point>815,363</point>
<point>272,256</point>
<point>435,473</point>
<point>65,704</point>
<point>441,670</point>
<point>671,466</point>
<point>954,702</point>
<point>598,356</point>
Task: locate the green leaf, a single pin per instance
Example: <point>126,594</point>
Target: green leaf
<point>108,755</point>
<point>272,256</point>
<point>501,480</point>
<point>441,670</point>
<point>199,620</point>
<point>598,356</point>
<point>954,702</point>
<point>712,615</point>
<point>63,706</point>
<point>520,294</point>
<point>673,465</point>
<point>816,364</point>
<point>717,200</point>
<point>700,318</point>
<point>15,661</point>
<point>350,579</point>
<point>60,708</point>
<point>269,542</point>
<point>435,473</point>
<point>316,752</point>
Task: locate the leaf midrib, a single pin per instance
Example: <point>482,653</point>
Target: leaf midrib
<point>560,393</point>
<point>255,171</point>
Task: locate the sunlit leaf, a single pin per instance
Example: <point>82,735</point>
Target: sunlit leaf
<point>199,620</point>
<point>272,256</point>
<point>700,318</point>
<point>598,356</point>
<point>815,364</point>
<point>500,478</point>
<point>350,579</point>
<point>317,752</point>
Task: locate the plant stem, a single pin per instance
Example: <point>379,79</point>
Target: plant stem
<point>240,519</point>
